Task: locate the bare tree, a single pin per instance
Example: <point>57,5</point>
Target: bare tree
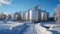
<point>57,16</point>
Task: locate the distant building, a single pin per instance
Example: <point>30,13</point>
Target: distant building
<point>16,16</point>
<point>21,15</point>
<point>55,17</point>
<point>12,17</point>
<point>28,15</point>
<point>2,16</point>
<point>24,16</point>
<point>44,16</point>
<point>35,14</point>
<point>9,17</point>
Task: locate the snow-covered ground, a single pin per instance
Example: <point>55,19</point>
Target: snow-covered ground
<point>36,29</point>
<point>53,27</point>
<point>41,30</point>
<point>9,25</point>
<point>29,28</point>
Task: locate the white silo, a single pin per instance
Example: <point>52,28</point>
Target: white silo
<point>21,15</point>
<point>44,16</point>
<point>33,15</point>
<point>26,15</point>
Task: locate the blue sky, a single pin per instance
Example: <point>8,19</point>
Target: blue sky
<point>12,6</point>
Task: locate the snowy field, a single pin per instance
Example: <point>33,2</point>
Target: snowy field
<point>9,25</point>
<point>53,27</point>
<point>29,28</point>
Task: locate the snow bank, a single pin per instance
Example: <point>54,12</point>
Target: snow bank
<point>54,27</point>
<point>7,22</point>
<point>1,22</point>
<point>42,30</point>
<point>15,24</point>
<point>9,25</point>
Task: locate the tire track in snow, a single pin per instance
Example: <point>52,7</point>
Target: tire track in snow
<point>30,30</point>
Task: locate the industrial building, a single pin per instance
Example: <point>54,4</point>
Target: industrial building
<point>21,15</point>
<point>2,16</point>
<point>28,15</point>
<point>24,16</point>
<point>35,14</point>
<point>44,16</point>
<point>16,16</point>
<point>9,17</point>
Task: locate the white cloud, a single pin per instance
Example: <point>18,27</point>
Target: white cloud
<point>8,2</point>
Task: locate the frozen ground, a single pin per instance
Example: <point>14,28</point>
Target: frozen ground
<point>35,29</point>
<point>28,28</point>
<point>53,27</point>
<point>9,25</point>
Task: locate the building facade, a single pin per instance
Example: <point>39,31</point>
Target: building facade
<point>44,16</point>
<point>35,14</point>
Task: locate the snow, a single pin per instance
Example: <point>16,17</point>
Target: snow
<point>53,26</point>
<point>36,29</point>
<point>42,30</point>
<point>29,28</point>
<point>9,25</point>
